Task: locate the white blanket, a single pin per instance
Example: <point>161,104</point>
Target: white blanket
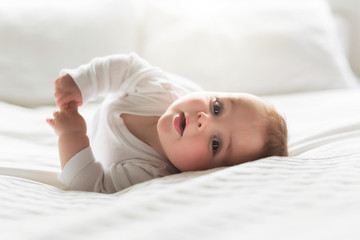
<point>313,194</point>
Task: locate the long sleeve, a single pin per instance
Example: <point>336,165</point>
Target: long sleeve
<point>110,74</point>
<point>83,173</point>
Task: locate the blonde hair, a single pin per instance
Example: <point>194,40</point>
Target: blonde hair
<point>276,134</point>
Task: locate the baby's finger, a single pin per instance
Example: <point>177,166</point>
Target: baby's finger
<point>56,113</point>
<point>73,106</point>
<point>50,121</point>
<point>62,101</point>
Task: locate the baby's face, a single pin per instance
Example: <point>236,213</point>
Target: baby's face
<point>205,130</point>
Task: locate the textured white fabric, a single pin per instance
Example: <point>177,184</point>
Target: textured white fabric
<point>314,194</point>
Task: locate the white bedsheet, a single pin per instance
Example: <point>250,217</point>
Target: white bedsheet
<point>313,194</point>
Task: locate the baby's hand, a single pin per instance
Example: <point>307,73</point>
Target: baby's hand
<point>66,91</point>
<point>68,121</point>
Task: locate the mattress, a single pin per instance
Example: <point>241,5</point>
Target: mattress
<point>312,194</point>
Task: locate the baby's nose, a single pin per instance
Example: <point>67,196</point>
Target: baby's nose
<point>203,119</point>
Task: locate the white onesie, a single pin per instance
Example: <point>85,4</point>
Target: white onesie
<point>116,159</point>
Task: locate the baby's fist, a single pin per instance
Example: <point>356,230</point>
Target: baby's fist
<point>67,121</point>
<point>66,91</point>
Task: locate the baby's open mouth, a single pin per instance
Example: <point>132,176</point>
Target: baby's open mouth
<point>183,123</point>
<point>180,123</point>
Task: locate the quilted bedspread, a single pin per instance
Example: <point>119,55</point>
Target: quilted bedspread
<point>312,194</point>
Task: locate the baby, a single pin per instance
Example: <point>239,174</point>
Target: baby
<point>154,124</point>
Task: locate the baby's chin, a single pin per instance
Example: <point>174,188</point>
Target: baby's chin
<point>188,167</point>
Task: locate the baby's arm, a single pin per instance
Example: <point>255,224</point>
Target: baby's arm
<point>70,126</point>
<point>109,75</point>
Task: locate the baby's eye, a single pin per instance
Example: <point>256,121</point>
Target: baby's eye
<point>217,107</point>
<point>215,145</point>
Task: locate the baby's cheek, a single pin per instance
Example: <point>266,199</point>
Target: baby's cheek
<point>193,158</point>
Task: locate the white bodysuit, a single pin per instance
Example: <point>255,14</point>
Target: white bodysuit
<point>116,159</point>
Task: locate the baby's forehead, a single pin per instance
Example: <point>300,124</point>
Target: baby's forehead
<point>240,100</point>
<point>244,99</point>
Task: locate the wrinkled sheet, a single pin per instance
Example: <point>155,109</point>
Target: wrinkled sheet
<point>313,194</point>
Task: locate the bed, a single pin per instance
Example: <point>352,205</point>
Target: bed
<point>312,194</point>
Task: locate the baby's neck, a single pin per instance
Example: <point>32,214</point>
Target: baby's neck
<point>145,129</point>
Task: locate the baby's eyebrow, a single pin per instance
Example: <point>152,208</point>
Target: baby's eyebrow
<point>232,103</point>
<point>230,107</point>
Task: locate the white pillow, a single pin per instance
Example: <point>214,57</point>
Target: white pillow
<point>257,46</point>
<point>40,37</point>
